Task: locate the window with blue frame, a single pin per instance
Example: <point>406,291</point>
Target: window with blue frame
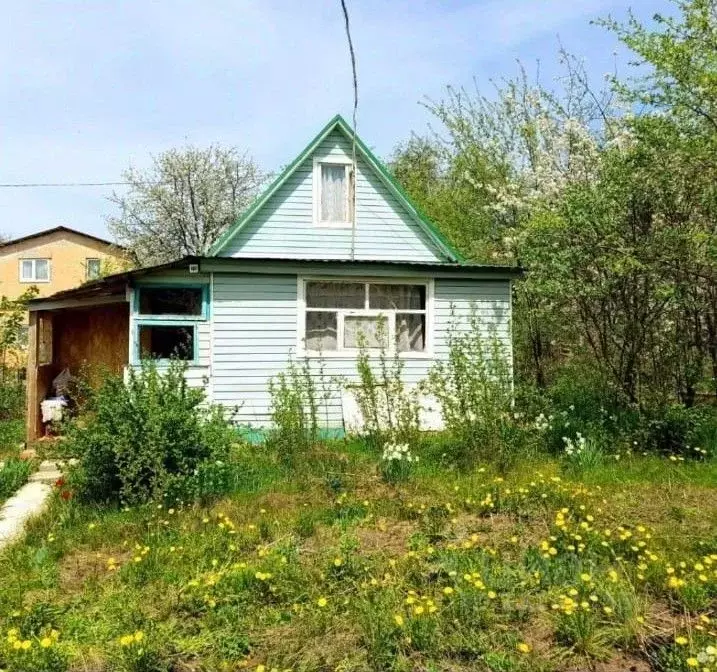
<point>166,321</point>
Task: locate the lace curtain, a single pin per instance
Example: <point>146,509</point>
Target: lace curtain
<point>333,193</point>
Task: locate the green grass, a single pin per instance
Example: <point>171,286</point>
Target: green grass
<point>323,566</point>
<point>12,434</point>
<point>13,475</point>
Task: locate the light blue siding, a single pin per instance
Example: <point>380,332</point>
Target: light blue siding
<point>284,227</point>
<point>254,327</point>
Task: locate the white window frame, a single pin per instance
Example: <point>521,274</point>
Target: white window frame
<point>350,353</point>
<point>336,161</point>
<point>33,280</point>
<point>87,268</point>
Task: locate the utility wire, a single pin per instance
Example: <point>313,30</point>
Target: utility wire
<point>347,26</point>
<point>25,185</point>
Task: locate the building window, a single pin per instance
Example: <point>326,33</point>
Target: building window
<point>92,268</point>
<point>34,270</point>
<point>169,301</point>
<point>340,315</point>
<point>166,320</point>
<point>161,341</point>
<point>332,194</point>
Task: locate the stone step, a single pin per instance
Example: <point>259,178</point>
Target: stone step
<point>45,476</point>
<point>27,502</point>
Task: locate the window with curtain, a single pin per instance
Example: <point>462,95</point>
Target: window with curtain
<point>333,193</point>
<point>340,315</point>
<point>34,270</point>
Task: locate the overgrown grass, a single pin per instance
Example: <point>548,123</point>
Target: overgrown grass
<point>321,565</point>
<point>12,433</point>
<point>13,474</point>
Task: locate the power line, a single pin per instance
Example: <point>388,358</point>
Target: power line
<point>347,26</point>
<point>27,185</point>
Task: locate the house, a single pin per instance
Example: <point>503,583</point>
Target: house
<point>320,257</point>
<point>54,260</point>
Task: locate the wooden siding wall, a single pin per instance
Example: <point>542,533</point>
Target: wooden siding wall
<point>255,329</point>
<point>96,338</point>
<point>284,227</point>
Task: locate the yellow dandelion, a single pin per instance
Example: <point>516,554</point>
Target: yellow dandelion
<point>398,620</point>
<point>45,642</point>
<point>322,602</point>
<point>524,647</point>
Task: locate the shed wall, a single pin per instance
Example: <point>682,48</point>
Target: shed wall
<point>255,328</point>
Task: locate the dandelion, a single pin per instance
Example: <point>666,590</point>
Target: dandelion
<point>448,590</point>
<point>322,602</point>
<point>524,647</point>
<point>45,642</point>
<point>682,641</point>
<point>398,620</point>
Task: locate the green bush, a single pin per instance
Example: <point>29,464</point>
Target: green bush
<point>12,398</point>
<point>135,438</point>
<point>390,411</point>
<point>473,386</point>
<point>677,430</point>
<point>13,475</point>
<point>298,395</point>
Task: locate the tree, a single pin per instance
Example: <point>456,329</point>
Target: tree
<point>183,202</point>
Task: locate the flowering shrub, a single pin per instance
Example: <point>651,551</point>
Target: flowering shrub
<point>396,462</point>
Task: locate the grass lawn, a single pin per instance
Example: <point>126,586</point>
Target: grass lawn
<point>12,434</point>
<point>327,567</point>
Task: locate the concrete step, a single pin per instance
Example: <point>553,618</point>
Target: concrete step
<point>45,476</point>
<point>27,502</point>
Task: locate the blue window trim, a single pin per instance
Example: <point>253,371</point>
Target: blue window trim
<point>137,355</point>
<point>177,318</point>
<point>188,321</point>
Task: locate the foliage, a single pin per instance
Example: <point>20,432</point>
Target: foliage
<point>396,462</point>
<point>183,202</point>
<point>299,395</point>
<point>530,570</point>
<point>138,436</point>
<point>473,387</point>
<point>389,409</point>
<point>13,474</point>
<point>621,254</point>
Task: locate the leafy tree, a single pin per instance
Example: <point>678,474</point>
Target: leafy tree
<point>183,202</point>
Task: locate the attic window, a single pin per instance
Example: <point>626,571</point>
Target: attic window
<point>331,193</point>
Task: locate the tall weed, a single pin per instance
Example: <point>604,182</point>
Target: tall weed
<point>390,410</point>
<point>473,387</point>
<point>299,395</point>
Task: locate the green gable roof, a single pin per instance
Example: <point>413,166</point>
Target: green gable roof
<point>338,122</point>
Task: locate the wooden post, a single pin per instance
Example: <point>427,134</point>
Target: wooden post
<point>32,417</point>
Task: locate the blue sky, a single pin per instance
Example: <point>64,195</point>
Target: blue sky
<point>86,88</point>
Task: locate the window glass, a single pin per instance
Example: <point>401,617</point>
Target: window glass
<point>410,332</point>
<point>373,330</point>
<point>170,301</point>
<point>166,342</point>
<point>335,295</point>
<point>334,195</point>
<point>42,269</point>
<point>397,297</point>
<point>321,331</point>
<point>26,267</point>
<point>93,268</point>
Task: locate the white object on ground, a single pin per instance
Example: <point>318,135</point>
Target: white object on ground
<point>52,409</point>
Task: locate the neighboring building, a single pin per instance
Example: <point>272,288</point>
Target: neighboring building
<point>54,260</point>
<point>302,272</point>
